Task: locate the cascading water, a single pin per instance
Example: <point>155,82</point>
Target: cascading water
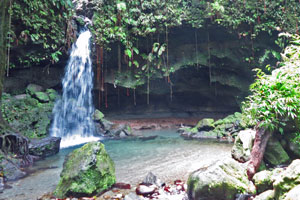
<point>73,112</point>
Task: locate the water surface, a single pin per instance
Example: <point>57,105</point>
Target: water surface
<point>168,156</point>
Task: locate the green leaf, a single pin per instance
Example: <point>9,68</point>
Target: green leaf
<point>128,53</point>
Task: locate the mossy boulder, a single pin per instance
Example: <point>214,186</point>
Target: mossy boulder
<point>52,94</point>
<point>86,171</point>
<point>205,124</point>
<point>275,154</point>
<point>33,88</point>
<point>222,180</point>
<point>243,143</point>
<point>41,97</point>
<point>262,181</point>
<point>287,180</point>
<point>27,115</point>
<point>98,115</point>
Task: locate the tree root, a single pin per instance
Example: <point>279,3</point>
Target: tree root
<point>261,139</point>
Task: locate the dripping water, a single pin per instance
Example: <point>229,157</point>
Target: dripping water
<point>73,112</point>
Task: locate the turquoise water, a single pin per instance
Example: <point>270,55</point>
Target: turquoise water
<point>168,156</point>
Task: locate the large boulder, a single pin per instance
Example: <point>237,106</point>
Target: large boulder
<point>86,171</point>
<point>287,180</point>
<point>293,194</point>
<point>222,180</point>
<point>12,170</point>
<point>275,154</point>
<point>44,147</point>
<point>243,143</point>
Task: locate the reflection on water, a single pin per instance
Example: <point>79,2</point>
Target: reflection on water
<point>168,156</point>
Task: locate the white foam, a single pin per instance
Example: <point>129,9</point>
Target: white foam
<point>74,140</point>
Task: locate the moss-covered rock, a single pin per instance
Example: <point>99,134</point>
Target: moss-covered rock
<point>86,171</point>
<point>205,124</point>
<point>241,149</point>
<point>41,97</point>
<point>52,94</point>
<point>98,115</point>
<point>27,115</point>
<point>262,181</point>
<point>221,180</point>
<point>275,154</point>
<point>33,88</point>
<point>287,180</point>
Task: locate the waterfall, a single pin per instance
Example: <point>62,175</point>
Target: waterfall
<point>73,112</point>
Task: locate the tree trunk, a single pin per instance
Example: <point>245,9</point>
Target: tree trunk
<point>261,139</point>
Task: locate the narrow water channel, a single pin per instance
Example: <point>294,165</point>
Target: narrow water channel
<point>168,156</point>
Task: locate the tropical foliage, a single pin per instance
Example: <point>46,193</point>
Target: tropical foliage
<point>275,99</point>
<point>42,24</point>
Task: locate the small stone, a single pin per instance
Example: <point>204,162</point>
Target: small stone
<point>117,196</point>
<point>133,196</point>
<point>123,186</point>
<point>151,179</point>
<point>122,134</point>
<point>145,190</point>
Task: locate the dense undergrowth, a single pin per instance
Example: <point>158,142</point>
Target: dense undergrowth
<point>275,99</point>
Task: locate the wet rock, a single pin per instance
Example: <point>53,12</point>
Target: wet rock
<point>267,195</point>
<point>123,186</point>
<point>44,147</point>
<point>11,170</point>
<point>107,125</point>
<point>242,147</point>
<point>221,180</point>
<point>145,138</point>
<point>287,179</point>
<point>145,190</point>
<point>33,88</point>
<point>275,154</point>
<point>293,194</point>
<point>41,97</point>
<point>116,132</point>
<point>151,179</point>
<point>87,171</point>
<point>262,181</point>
